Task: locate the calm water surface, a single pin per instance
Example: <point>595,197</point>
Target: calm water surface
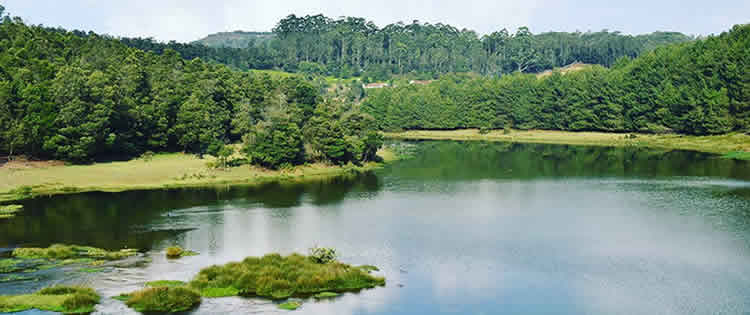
<point>459,228</point>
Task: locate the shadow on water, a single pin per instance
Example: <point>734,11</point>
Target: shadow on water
<point>458,228</point>
<point>475,160</point>
<point>108,220</point>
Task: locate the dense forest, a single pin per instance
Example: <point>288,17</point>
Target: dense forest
<point>81,97</point>
<point>699,88</point>
<point>352,46</point>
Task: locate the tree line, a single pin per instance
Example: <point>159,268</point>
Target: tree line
<point>82,97</point>
<point>698,88</point>
<point>352,46</point>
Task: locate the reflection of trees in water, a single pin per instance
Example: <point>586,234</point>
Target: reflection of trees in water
<point>486,160</point>
<point>111,220</point>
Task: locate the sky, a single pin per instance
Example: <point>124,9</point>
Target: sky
<point>188,20</point>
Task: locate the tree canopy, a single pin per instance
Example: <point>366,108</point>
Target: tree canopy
<point>350,46</point>
<point>697,88</point>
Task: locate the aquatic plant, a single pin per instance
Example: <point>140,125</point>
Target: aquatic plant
<point>163,299</point>
<point>174,252</point>
<point>64,252</point>
<point>165,283</point>
<point>278,277</point>
<point>64,299</point>
<point>323,255</point>
<point>290,305</point>
<point>326,295</point>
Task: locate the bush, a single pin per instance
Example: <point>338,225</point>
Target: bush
<point>278,277</point>
<point>322,255</point>
<point>164,299</point>
<point>174,252</point>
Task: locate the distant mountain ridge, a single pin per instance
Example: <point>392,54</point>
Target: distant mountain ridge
<point>236,39</point>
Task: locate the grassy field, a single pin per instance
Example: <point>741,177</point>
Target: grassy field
<point>163,171</point>
<point>733,145</point>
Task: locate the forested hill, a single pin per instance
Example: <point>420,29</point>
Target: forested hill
<point>82,97</point>
<point>236,39</point>
<point>354,46</point>
<point>699,88</point>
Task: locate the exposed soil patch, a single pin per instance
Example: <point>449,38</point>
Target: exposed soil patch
<point>22,162</point>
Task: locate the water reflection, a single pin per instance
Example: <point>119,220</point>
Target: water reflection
<point>462,228</point>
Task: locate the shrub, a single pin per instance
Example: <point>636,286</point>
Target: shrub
<point>278,277</point>
<point>322,255</point>
<point>164,299</point>
<point>174,252</point>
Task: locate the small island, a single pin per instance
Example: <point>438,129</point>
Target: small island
<point>272,276</point>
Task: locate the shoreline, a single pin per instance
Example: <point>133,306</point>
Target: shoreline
<point>165,171</point>
<point>732,145</point>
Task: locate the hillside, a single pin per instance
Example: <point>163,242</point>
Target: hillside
<point>236,39</point>
<point>352,46</point>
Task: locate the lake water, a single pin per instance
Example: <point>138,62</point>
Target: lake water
<point>459,228</point>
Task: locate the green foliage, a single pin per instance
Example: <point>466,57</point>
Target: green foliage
<point>177,252</point>
<point>290,305</point>
<point>63,252</point>
<point>163,299</point>
<point>63,299</point>
<point>165,283</point>
<point>352,46</point>
<point>695,88</point>
<point>278,277</point>
<point>326,295</point>
<point>323,255</point>
<point>105,100</point>
<point>738,155</point>
<point>174,252</point>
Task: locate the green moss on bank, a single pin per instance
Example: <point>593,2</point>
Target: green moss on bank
<point>65,252</point>
<point>63,299</point>
<point>9,211</point>
<point>278,277</point>
<point>731,145</point>
<point>737,155</point>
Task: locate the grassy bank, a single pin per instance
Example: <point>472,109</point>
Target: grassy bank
<point>162,171</point>
<point>735,145</point>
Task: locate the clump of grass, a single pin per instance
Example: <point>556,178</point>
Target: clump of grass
<point>369,268</point>
<point>174,252</point>
<point>290,305</point>
<point>166,283</point>
<point>278,277</point>
<point>66,252</point>
<point>326,295</point>
<point>219,292</point>
<point>91,270</point>
<point>9,211</point>
<point>164,299</point>
<point>63,299</point>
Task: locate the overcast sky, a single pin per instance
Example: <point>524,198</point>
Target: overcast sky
<point>188,20</point>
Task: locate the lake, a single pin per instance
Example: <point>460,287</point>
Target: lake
<point>457,228</point>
